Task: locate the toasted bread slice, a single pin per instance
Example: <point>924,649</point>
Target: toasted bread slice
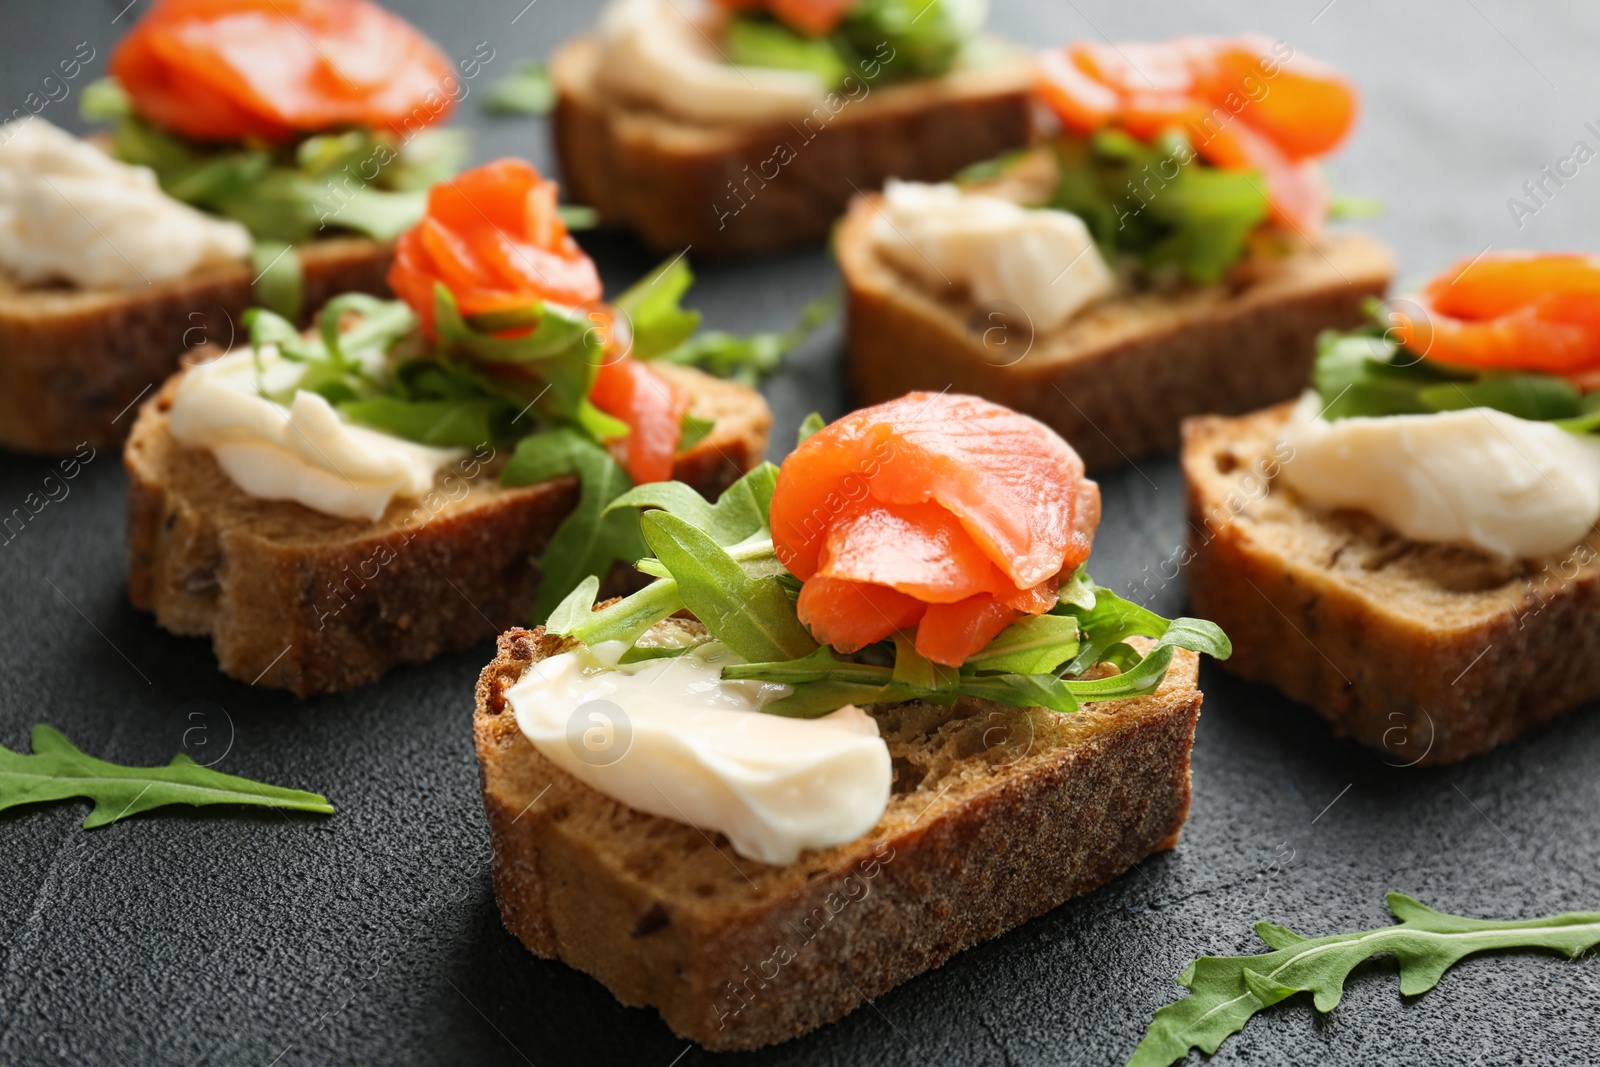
<point>997,814</point>
<point>1431,653</point>
<point>737,190</point>
<point>73,361</point>
<point>1118,379</point>
<point>295,599</point>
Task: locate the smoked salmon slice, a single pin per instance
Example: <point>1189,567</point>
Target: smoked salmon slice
<point>947,512</point>
<point>1511,311</point>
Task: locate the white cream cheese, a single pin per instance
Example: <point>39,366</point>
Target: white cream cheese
<point>671,738</point>
<point>306,452</point>
<point>1512,487</point>
<point>662,51</point>
<point>1039,259</point>
<point>69,212</point>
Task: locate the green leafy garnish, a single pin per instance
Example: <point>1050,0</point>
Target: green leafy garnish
<point>1158,202</point>
<point>57,769</point>
<point>878,42</point>
<point>280,279</point>
<point>1365,372</point>
<point>717,560</point>
<point>527,90</point>
<point>590,539</point>
<point>664,330</point>
<point>1226,991</point>
<point>359,180</point>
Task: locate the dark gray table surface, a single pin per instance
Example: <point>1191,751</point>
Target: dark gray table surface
<point>372,936</point>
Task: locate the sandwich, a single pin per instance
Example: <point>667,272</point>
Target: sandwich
<point>1161,255</point>
<point>258,153</point>
<point>744,126</point>
<point>416,475</point>
<point>1409,548</point>
<point>871,711</point>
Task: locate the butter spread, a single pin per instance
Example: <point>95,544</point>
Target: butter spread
<point>1514,488</point>
<point>306,452</point>
<point>662,51</point>
<point>69,212</point>
<point>670,737</point>
<point>1039,259</point>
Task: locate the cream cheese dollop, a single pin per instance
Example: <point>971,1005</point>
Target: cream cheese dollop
<point>69,212</point>
<point>1513,488</point>
<point>305,452</point>
<point>1042,260</point>
<point>670,737</point>
<point>661,51</point>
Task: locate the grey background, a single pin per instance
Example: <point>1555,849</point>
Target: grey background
<point>372,936</point>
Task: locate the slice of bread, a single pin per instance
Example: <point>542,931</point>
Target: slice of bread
<point>73,361</point>
<point>1118,379</point>
<point>997,815</point>
<point>296,599</point>
<point>1431,653</point>
<point>737,190</point>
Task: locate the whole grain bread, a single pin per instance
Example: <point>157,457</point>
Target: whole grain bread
<point>295,599</point>
<point>73,362</point>
<point>736,190</point>
<point>997,815</point>
<point>1116,380</point>
<point>1430,653</point>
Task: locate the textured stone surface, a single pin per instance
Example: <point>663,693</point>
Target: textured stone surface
<point>371,936</point>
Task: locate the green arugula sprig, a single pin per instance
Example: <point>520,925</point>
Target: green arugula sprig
<point>57,770</point>
<point>878,42</point>
<point>360,181</point>
<point>1226,991</point>
<point>1158,202</point>
<point>527,90</point>
<point>519,379</point>
<point>1366,372</point>
<point>717,561</point>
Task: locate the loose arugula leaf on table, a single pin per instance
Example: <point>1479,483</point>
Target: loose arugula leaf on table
<point>1226,991</point>
<point>589,540</point>
<point>527,90</point>
<point>57,770</point>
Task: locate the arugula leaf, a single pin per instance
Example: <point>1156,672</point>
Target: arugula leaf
<point>1362,373</point>
<point>925,38</point>
<point>1023,691</point>
<point>1158,202</point>
<point>750,358</point>
<point>465,422</point>
<point>752,616</point>
<point>1034,644</point>
<point>555,364</point>
<point>753,40</point>
<point>692,430</point>
<point>280,278</point>
<point>739,513</point>
<point>527,90</point>
<point>588,541</point>
<point>1108,624</point>
<point>57,769</point>
<point>808,426</point>
<point>1226,991</point>
<point>578,216</point>
<point>652,306</point>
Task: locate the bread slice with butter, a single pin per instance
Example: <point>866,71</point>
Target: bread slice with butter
<point>1430,653</point>
<point>996,815</point>
<point>739,189</point>
<point>73,362</point>
<point>1117,379</point>
<point>295,599</point>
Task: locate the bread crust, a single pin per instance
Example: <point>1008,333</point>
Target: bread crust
<point>1117,380</point>
<point>1428,653</point>
<point>739,190</point>
<point>295,599</point>
<point>997,815</point>
<point>73,362</point>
